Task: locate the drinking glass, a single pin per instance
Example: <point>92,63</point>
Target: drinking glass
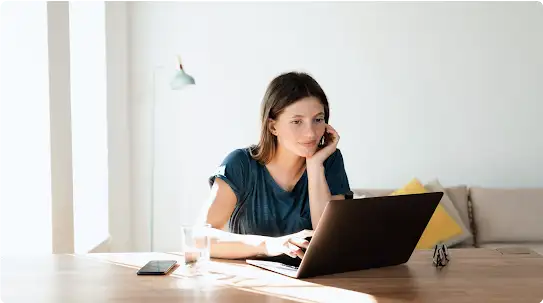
<point>195,243</point>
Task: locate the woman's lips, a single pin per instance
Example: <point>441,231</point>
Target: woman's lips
<point>309,144</point>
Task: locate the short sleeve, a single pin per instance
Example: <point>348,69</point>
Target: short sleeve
<point>234,170</point>
<point>336,176</point>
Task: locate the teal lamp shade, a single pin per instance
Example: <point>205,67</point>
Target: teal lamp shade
<point>181,79</point>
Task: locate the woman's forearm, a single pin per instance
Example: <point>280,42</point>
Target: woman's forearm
<point>225,245</point>
<point>319,193</point>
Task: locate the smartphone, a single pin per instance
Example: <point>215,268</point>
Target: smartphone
<point>327,139</point>
<point>157,267</point>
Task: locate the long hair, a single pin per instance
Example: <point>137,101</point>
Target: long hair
<point>283,91</point>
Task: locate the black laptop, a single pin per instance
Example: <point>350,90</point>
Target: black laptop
<point>356,234</point>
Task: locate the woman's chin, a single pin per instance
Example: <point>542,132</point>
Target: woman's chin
<point>306,152</point>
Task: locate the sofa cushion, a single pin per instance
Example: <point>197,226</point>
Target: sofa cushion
<point>507,215</point>
<point>442,226</point>
<point>452,210</point>
<point>371,192</point>
<point>459,197</point>
<point>457,194</point>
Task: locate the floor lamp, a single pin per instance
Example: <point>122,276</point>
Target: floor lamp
<point>179,81</point>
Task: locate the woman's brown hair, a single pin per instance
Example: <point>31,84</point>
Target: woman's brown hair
<point>283,91</point>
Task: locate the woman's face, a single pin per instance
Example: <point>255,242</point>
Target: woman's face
<point>300,126</point>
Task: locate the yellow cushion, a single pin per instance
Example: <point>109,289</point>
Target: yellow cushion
<point>441,227</point>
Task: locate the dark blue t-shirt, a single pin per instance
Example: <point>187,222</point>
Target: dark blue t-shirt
<point>263,207</point>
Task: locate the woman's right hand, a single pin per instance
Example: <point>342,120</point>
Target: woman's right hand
<point>290,245</point>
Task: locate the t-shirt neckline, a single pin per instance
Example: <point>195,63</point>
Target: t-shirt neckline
<point>277,187</point>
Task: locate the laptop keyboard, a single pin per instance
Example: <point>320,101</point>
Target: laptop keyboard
<point>285,266</point>
<point>277,265</point>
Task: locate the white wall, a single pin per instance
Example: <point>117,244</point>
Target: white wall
<point>448,90</point>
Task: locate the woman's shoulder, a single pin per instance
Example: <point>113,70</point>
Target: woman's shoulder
<point>335,158</point>
<point>235,168</point>
<point>240,156</point>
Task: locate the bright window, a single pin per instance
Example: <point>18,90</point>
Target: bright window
<point>89,123</point>
<point>25,154</point>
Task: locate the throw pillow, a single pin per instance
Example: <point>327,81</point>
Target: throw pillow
<point>447,202</point>
<point>441,228</point>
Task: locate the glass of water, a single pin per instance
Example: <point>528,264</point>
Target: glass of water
<point>195,243</point>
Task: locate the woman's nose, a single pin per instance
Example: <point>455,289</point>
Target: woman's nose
<point>311,132</point>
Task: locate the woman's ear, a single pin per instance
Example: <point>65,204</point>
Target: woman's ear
<point>271,127</point>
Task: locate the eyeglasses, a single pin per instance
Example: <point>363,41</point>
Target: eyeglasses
<point>441,255</point>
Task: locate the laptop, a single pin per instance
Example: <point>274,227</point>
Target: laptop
<point>357,234</point>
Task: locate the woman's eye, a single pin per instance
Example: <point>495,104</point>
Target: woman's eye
<point>319,120</point>
<point>296,122</point>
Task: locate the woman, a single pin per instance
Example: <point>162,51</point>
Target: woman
<point>272,195</point>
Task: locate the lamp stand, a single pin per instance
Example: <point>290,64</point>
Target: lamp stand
<point>179,81</point>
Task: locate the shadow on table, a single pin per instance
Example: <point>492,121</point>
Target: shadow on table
<point>366,286</point>
<point>386,283</point>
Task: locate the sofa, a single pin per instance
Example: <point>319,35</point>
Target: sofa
<point>500,218</point>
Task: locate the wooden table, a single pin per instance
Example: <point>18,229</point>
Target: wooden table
<point>473,275</point>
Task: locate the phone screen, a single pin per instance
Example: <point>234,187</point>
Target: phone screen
<point>157,267</point>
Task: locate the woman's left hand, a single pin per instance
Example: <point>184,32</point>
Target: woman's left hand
<point>323,153</point>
